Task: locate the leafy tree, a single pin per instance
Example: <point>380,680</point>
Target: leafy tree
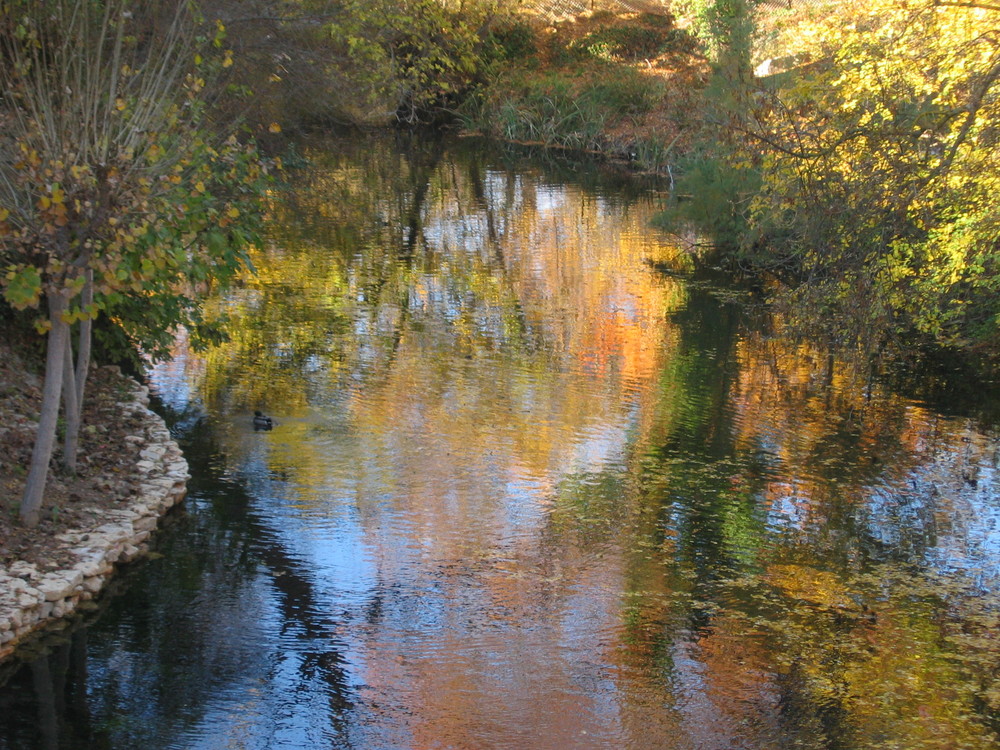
<point>879,167</point>
<point>112,197</point>
<point>412,57</point>
<point>726,29</point>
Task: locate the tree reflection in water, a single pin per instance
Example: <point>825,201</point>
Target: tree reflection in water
<point>526,490</point>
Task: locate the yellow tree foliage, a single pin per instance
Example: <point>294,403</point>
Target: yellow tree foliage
<point>880,167</point>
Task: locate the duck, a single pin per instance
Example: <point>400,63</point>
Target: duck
<point>260,422</point>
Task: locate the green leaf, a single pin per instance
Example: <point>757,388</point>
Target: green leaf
<point>23,287</point>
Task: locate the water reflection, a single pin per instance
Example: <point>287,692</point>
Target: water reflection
<point>527,491</point>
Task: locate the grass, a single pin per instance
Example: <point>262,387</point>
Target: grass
<point>571,108</point>
<point>617,84</point>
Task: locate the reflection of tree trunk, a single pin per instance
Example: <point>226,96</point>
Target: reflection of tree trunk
<point>828,379</point>
<point>78,665</point>
<point>397,334</point>
<point>60,661</point>
<point>422,170</point>
<point>55,358</point>
<point>413,223</point>
<point>48,725</point>
<point>297,596</point>
<point>479,193</point>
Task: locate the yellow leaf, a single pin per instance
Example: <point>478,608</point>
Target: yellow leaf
<point>233,212</point>
<point>274,127</point>
<point>119,104</point>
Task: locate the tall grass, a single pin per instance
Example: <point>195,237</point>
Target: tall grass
<point>560,107</point>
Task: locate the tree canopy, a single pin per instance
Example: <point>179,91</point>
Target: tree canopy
<point>879,171</point>
<point>114,197</point>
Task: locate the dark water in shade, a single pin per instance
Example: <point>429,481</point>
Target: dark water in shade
<point>528,490</point>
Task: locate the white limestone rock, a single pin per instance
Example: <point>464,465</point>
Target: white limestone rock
<point>23,569</point>
<point>153,453</point>
<point>56,586</point>
<point>30,598</point>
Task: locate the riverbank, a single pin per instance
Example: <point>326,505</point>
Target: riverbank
<point>131,473</point>
<point>624,85</point>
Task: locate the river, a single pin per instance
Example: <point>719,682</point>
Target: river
<point>533,483</point>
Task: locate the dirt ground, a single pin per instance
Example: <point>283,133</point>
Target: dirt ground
<point>104,472</point>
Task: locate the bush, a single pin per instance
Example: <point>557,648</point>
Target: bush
<point>625,42</point>
<point>418,58</point>
<point>513,39</point>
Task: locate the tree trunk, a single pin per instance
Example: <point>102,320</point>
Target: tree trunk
<point>75,382</point>
<point>71,410</point>
<point>55,357</point>
<point>86,328</point>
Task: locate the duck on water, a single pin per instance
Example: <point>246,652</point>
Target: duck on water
<point>260,422</point>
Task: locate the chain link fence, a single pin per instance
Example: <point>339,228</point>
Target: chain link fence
<point>566,8</point>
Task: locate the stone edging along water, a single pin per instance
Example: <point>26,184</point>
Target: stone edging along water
<point>31,599</point>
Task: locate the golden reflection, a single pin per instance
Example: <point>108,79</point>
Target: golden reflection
<point>470,364</point>
<point>591,502</point>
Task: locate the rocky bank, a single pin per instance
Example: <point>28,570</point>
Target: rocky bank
<point>134,473</point>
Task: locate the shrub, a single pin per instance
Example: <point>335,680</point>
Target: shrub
<point>513,39</point>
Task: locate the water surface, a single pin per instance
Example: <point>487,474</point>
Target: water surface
<point>532,485</point>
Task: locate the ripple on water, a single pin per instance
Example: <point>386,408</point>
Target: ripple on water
<point>524,492</point>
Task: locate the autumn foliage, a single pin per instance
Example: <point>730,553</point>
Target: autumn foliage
<point>878,161</point>
<point>114,197</point>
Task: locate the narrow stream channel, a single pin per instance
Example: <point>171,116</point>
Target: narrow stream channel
<point>532,485</point>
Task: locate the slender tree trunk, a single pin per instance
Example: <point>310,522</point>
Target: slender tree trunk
<point>71,409</point>
<point>55,357</point>
<point>86,334</point>
<point>75,382</point>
